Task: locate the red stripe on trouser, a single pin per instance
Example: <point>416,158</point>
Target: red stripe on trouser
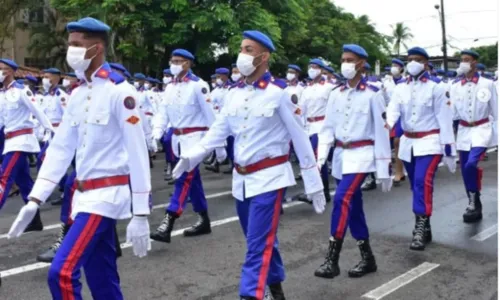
<point>184,192</point>
<point>346,201</point>
<point>480,172</point>
<point>75,254</point>
<point>429,175</point>
<point>6,174</point>
<point>268,249</point>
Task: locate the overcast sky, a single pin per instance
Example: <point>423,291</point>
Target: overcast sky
<point>466,20</point>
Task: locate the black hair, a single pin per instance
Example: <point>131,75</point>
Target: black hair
<point>98,35</point>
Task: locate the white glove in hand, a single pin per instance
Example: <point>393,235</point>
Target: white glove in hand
<point>318,201</point>
<point>47,136</point>
<point>450,162</point>
<point>181,167</point>
<point>386,184</point>
<point>154,146</point>
<point>138,235</point>
<point>24,218</point>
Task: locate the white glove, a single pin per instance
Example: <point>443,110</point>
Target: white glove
<point>138,235</point>
<point>181,167</point>
<point>24,218</point>
<point>450,162</point>
<point>318,201</point>
<point>47,136</point>
<point>154,146</point>
<point>386,184</point>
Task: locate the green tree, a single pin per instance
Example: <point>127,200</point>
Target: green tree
<point>401,34</point>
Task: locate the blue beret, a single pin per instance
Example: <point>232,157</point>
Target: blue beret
<point>452,73</point>
<point>329,69</point>
<point>183,53</point>
<point>71,75</point>
<point>150,79</point>
<point>167,71</point>
<point>9,63</point>
<point>222,71</point>
<point>139,76</point>
<point>481,67</point>
<point>295,67</point>
<point>32,78</point>
<point>387,68</point>
<point>20,81</point>
<point>88,24</point>
<point>418,51</point>
<point>260,38</point>
<point>356,49</point>
<point>127,74</point>
<point>398,62</point>
<point>234,66</point>
<point>367,66</point>
<point>440,72</point>
<point>431,65</point>
<point>54,71</point>
<point>471,53</point>
<point>213,76</point>
<point>118,67</point>
<point>317,61</point>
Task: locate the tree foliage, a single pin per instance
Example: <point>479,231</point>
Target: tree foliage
<point>144,32</point>
<point>401,34</point>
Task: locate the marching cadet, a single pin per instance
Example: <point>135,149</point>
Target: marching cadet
<point>70,82</point>
<point>18,104</point>
<point>294,86</point>
<point>261,117</point>
<point>474,100</point>
<point>187,106</point>
<point>355,124</point>
<point>217,97</point>
<point>167,78</point>
<point>167,136</point>
<point>213,80</point>
<point>102,125</point>
<point>329,73</point>
<point>235,74</point>
<point>152,94</point>
<point>397,71</point>
<point>426,119</point>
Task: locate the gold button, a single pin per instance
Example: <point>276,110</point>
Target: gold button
<point>246,118</point>
<point>246,108</point>
<point>90,86</point>
<point>97,121</point>
<point>244,136</point>
<point>246,99</point>
<point>86,109</point>
<point>88,98</point>
<point>85,121</point>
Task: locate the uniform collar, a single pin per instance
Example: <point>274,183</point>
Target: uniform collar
<point>103,72</point>
<point>321,81</point>
<point>396,79</point>
<point>294,82</point>
<point>424,77</point>
<point>474,79</point>
<point>52,92</point>
<point>189,76</point>
<point>361,86</point>
<point>263,82</point>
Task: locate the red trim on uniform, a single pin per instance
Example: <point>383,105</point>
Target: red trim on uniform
<point>429,175</point>
<point>185,189</point>
<point>475,123</point>
<point>480,171</point>
<point>103,182</point>
<point>315,119</point>
<point>9,135</point>
<point>148,113</point>
<point>261,165</point>
<point>421,134</point>
<point>6,173</point>
<point>182,131</point>
<point>346,202</point>
<point>393,132</point>
<point>75,254</point>
<point>268,248</point>
<point>355,144</point>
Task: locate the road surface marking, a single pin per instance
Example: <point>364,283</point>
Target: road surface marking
<point>486,234</point>
<point>37,266</point>
<point>400,281</point>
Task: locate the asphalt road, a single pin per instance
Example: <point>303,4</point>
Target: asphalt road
<point>461,263</point>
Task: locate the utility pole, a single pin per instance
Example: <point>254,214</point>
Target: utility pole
<point>443,30</point>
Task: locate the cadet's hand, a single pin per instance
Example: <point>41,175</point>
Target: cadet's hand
<point>451,163</point>
<point>24,218</point>
<point>154,146</point>
<point>386,184</point>
<point>318,201</point>
<point>47,136</point>
<point>181,167</point>
<point>138,235</point>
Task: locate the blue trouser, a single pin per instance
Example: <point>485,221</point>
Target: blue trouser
<point>230,147</point>
<point>259,218</point>
<point>348,208</point>
<point>471,174</point>
<point>39,162</point>
<point>2,142</point>
<point>324,169</point>
<point>90,243</point>
<point>421,172</point>
<point>69,190</point>
<point>189,184</point>
<point>167,146</point>
<point>15,168</point>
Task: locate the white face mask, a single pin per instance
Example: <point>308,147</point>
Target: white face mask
<point>76,58</point>
<point>167,80</point>
<point>313,73</point>
<point>46,84</point>
<point>290,76</point>
<point>235,76</point>
<point>219,81</point>
<point>66,82</point>
<point>395,71</point>
<point>214,85</point>
<point>414,68</point>
<point>245,64</point>
<point>2,77</point>
<point>465,67</point>
<point>147,86</point>
<point>137,84</point>
<point>176,69</point>
<point>348,70</point>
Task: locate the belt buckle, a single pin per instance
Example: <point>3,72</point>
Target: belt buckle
<point>242,170</point>
<point>181,131</point>
<point>79,186</point>
<point>347,145</point>
<point>412,134</point>
<point>472,124</point>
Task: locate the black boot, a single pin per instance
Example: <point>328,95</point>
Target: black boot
<point>474,211</point>
<point>201,227</point>
<point>168,172</point>
<point>162,233</point>
<point>370,183</point>
<point>117,244</point>
<point>326,191</point>
<point>367,263</point>
<point>58,201</point>
<point>298,176</point>
<point>421,236</point>
<point>49,255</point>
<point>302,198</point>
<point>330,268</point>
<point>32,160</point>
<point>277,291</point>
<point>247,298</point>
<point>213,167</point>
<point>36,224</point>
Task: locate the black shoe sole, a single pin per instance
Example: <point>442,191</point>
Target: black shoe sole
<point>159,239</point>
<point>327,276</point>
<point>45,260</point>
<point>188,234</point>
<point>472,219</point>
<point>414,248</point>
<point>358,275</point>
